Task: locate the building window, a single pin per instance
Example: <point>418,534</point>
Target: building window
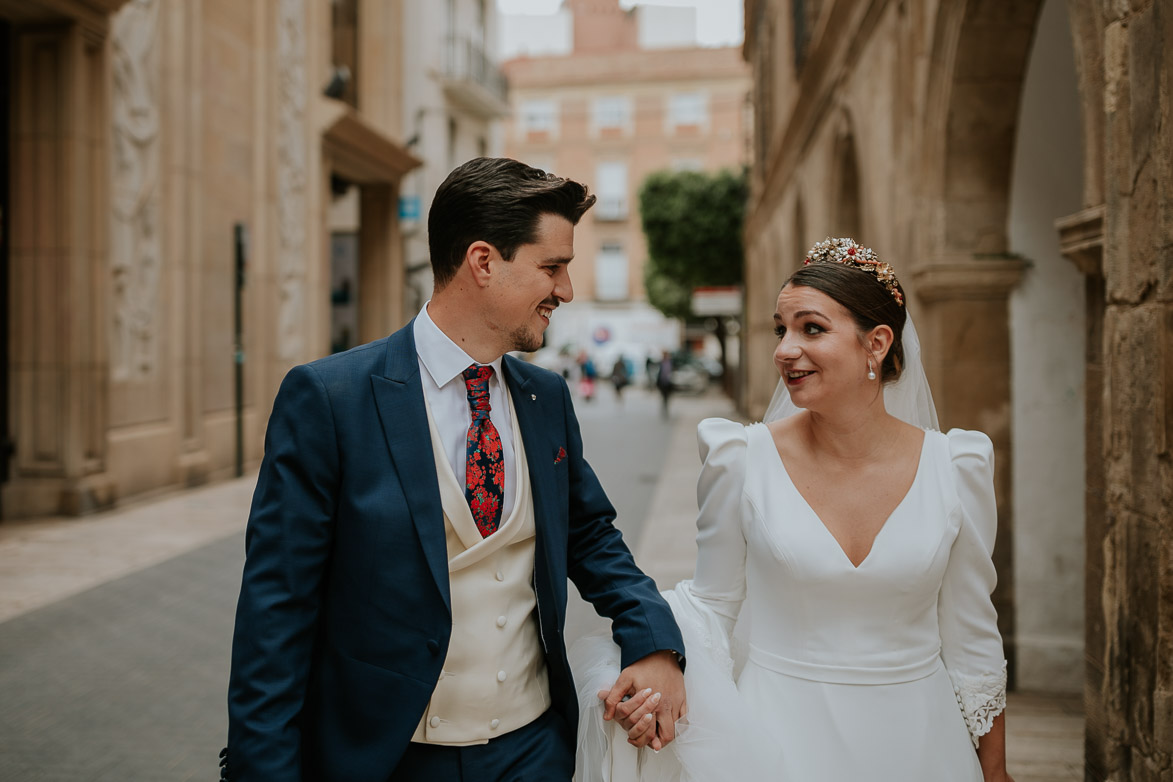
<point>539,116</point>
<point>687,164</point>
<point>453,131</point>
<point>687,108</point>
<point>611,273</point>
<point>344,50</point>
<point>613,111</point>
<point>611,188</point>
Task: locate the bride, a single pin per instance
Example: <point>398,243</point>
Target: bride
<point>849,543</point>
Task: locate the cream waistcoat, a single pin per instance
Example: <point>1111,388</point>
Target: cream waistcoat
<point>494,676</point>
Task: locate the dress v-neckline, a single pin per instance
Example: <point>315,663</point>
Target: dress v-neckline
<point>915,479</point>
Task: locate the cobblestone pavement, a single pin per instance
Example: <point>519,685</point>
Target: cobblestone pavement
<point>114,655</point>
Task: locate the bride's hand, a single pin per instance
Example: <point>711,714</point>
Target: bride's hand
<point>661,672</point>
<point>636,715</point>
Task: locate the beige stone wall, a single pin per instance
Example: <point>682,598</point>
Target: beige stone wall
<point>901,125</point>
<point>157,126</point>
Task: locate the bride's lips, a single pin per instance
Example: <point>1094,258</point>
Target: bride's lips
<point>795,377</point>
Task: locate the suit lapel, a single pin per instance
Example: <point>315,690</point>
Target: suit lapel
<point>399,398</point>
<point>533,421</point>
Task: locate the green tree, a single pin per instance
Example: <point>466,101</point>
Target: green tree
<point>693,225</point>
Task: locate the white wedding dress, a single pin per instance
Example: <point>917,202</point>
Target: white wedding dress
<point>888,672</point>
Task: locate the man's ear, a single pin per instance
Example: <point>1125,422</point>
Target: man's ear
<point>478,260</point>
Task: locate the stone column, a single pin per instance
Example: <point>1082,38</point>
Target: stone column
<point>1132,736</point>
<point>963,320</point>
<point>59,365</point>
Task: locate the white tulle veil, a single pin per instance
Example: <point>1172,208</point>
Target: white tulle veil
<point>908,398</point>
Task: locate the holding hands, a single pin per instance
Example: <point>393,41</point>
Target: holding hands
<point>655,700</point>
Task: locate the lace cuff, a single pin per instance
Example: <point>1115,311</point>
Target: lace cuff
<point>981,698</point>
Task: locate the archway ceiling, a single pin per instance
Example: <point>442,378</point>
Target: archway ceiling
<point>993,47</point>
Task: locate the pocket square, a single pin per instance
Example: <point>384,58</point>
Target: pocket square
<point>561,455</point>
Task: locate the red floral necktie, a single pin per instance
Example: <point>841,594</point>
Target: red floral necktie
<point>484,477</point>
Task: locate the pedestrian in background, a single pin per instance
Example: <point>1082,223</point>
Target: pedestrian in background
<point>664,381</point>
<point>619,377</point>
<point>586,383</point>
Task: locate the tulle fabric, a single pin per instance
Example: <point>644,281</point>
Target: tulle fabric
<point>718,740</point>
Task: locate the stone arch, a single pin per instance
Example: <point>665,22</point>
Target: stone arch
<point>798,240</point>
<point>965,271</point>
<point>846,193</point>
<point>979,56</point>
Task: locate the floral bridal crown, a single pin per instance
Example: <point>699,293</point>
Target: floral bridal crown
<point>845,251</point>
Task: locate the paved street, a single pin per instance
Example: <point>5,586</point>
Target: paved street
<point>115,628</point>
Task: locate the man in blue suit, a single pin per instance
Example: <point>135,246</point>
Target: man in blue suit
<point>422,502</point>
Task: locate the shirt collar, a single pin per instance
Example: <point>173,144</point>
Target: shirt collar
<point>442,358</point>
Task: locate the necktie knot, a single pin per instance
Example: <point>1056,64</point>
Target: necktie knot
<point>476,383</point>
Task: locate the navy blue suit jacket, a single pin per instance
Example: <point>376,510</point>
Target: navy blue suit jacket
<point>344,615</point>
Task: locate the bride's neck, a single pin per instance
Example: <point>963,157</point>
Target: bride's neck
<point>858,434</point>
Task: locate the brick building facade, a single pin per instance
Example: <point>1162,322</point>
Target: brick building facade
<point>609,113</point>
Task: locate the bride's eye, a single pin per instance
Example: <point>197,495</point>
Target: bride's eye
<point>813,328</point>
<point>779,331</point>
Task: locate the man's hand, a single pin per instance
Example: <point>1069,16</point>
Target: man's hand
<point>655,685</point>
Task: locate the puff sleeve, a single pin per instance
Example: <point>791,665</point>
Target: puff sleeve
<point>970,642</point>
<point>719,582</point>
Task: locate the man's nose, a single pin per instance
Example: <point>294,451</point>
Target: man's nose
<point>563,289</point>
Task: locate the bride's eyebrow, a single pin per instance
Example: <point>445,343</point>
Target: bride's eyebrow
<point>804,313</point>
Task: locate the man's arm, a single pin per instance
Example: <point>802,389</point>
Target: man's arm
<point>290,528</point>
<point>603,569</point>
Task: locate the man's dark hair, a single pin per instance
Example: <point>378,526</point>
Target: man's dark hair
<point>499,201</point>
<point>868,301</point>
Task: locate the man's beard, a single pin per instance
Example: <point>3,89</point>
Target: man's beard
<point>524,340</point>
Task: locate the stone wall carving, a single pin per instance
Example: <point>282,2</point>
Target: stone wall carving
<point>135,241</point>
<point>291,176</point>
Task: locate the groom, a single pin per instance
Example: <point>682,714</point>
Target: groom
<point>422,501</point>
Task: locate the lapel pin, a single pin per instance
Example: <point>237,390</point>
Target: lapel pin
<point>533,397</point>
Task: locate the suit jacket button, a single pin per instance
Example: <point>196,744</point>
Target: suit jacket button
<point>434,722</point>
<point>502,676</point>
<point>494,724</point>
<point>433,647</point>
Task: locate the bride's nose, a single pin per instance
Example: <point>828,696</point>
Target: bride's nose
<point>787,350</point>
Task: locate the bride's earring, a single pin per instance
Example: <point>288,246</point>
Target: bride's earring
<point>871,372</point>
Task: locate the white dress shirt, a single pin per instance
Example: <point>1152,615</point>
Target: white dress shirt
<point>442,363</point>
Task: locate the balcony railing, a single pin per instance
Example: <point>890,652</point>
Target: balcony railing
<point>468,68</point>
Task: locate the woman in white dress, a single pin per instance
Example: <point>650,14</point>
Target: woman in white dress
<point>852,549</point>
